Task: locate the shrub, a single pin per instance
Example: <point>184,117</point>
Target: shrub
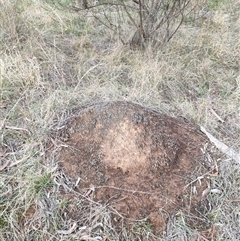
<point>149,22</point>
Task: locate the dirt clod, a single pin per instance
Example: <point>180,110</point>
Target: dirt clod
<point>136,160</point>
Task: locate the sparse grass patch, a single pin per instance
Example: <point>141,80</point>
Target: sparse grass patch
<point>60,3</point>
<point>52,61</point>
<point>142,229</point>
<point>43,183</point>
<point>215,4</point>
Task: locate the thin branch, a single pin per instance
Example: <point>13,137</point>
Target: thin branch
<point>141,28</point>
<point>103,23</point>
<point>129,15</point>
<point>95,6</point>
<point>176,29</point>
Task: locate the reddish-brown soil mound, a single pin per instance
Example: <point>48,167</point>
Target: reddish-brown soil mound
<point>136,160</point>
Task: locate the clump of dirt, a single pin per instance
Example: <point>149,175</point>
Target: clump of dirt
<point>140,162</point>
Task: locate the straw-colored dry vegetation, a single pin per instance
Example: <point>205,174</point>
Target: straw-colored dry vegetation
<point>53,60</point>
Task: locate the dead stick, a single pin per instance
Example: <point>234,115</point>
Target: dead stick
<point>222,147</point>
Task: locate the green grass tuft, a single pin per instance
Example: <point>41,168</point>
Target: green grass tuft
<point>43,183</point>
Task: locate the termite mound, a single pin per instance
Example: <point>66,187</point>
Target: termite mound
<point>141,162</point>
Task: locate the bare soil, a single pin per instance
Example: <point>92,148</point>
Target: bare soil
<point>139,162</point>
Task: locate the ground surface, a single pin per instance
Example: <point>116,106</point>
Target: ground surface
<point>135,160</point>
<point>54,60</point>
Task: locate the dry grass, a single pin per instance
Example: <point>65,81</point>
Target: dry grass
<point>52,61</point>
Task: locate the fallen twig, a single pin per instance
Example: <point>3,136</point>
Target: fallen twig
<point>19,161</point>
<point>216,115</point>
<point>233,200</point>
<point>222,147</point>
<point>69,231</point>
